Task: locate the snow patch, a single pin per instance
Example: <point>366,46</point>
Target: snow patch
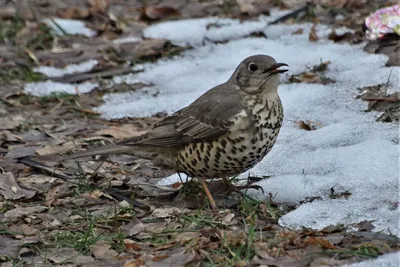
<point>69,26</point>
<point>70,69</point>
<point>48,87</point>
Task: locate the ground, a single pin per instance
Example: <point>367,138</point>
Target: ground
<point>89,213</point>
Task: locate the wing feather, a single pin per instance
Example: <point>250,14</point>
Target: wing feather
<point>207,118</point>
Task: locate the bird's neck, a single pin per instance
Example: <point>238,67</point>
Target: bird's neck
<point>266,107</point>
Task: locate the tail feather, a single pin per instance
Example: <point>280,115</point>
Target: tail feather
<point>107,150</point>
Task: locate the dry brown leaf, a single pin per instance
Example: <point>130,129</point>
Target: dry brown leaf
<point>262,250</point>
<point>11,190</point>
<point>122,132</point>
<point>11,247</point>
<point>166,212</point>
<point>245,6</point>
<point>68,255</point>
<point>134,263</point>
<point>23,229</point>
<point>160,13</point>
<point>185,237</point>
<point>131,245</point>
<point>155,227</point>
<point>298,31</point>
<point>166,246</point>
<point>310,77</point>
<point>365,226</point>
<point>10,122</point>
<point>350,37</point>
<point>151,48</point>
<point>177,259</point>
<point>313,37</point>
<point>378,100</point>
<point>20,212</point>
<point>160,257</point>
<point>134,227</point>
<point>304,126</point>
<point>8,13</point>
<point>316,74</point>
<point>74,13</point>
<point>58,149</point>
<point>10,137</point>
<point>103,251</point>
<point>325,244</point>
<point>51,196</point>
<point>98,5</point>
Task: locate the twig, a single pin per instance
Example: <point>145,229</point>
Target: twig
<point>293,14</point>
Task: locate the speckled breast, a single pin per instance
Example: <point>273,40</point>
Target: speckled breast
<point>244,146</point>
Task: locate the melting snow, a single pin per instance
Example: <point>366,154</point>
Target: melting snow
<point>48,87</point>
<point>70,69</point>
<point>388,260</point>
<point>69,26</point>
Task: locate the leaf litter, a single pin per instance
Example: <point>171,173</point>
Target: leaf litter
<point>73,219</point>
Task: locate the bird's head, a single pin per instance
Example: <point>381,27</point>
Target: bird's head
<point>258,74</point>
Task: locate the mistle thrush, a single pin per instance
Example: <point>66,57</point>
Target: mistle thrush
<point>225,132</point>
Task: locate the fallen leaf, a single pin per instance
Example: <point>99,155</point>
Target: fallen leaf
<point>177,259</point>
<point>346,37</point>
<point>73,13</point>
<point>152,48</point>
<point>23,229</point>
<point>134,227</point>
<point>304,126</point>
<point>58,149</point>
<point>166,212</point>
<point>185,237</point>
<point>313,37</point>
<point>20,212</point>
<point>262,250</point>
<point>20,151</point>
<point>11,247</point>
<point>338,228</point>
<point>51,196</point>
<point>160,257</point>
<point>67,255</point>
<point>134,263</point>
<point>11,190</point>
<point>159,13</point>
<point>246,7</point>
<point>98,5</point>
<point>155,227</point>
<point>11,122</point>
<point>325,244</point>
<point>121,132</point>
<point>298,31</point>
<point>334,239</point>
<point>131,245</point>
<point>378,100</point>
<point>103,251</point>
<point>10,137</point>
<point>284,261</point>
<point>365,226</point>
<point>316,74</point>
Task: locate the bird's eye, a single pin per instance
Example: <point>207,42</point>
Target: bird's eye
<point>253,67</point>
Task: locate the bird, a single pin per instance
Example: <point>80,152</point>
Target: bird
<point>224,132</point>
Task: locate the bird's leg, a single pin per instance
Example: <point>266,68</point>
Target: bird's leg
<point>209,196</point>
<point>237,189</point>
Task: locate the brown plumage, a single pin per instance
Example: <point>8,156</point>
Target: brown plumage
<point>224,132</point>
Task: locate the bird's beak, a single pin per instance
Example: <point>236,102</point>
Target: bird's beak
<point>274,68</point>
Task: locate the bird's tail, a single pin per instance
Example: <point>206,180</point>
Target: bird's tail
<point>106,150</point>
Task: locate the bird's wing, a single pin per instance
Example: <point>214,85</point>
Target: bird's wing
<point>205,119</point>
